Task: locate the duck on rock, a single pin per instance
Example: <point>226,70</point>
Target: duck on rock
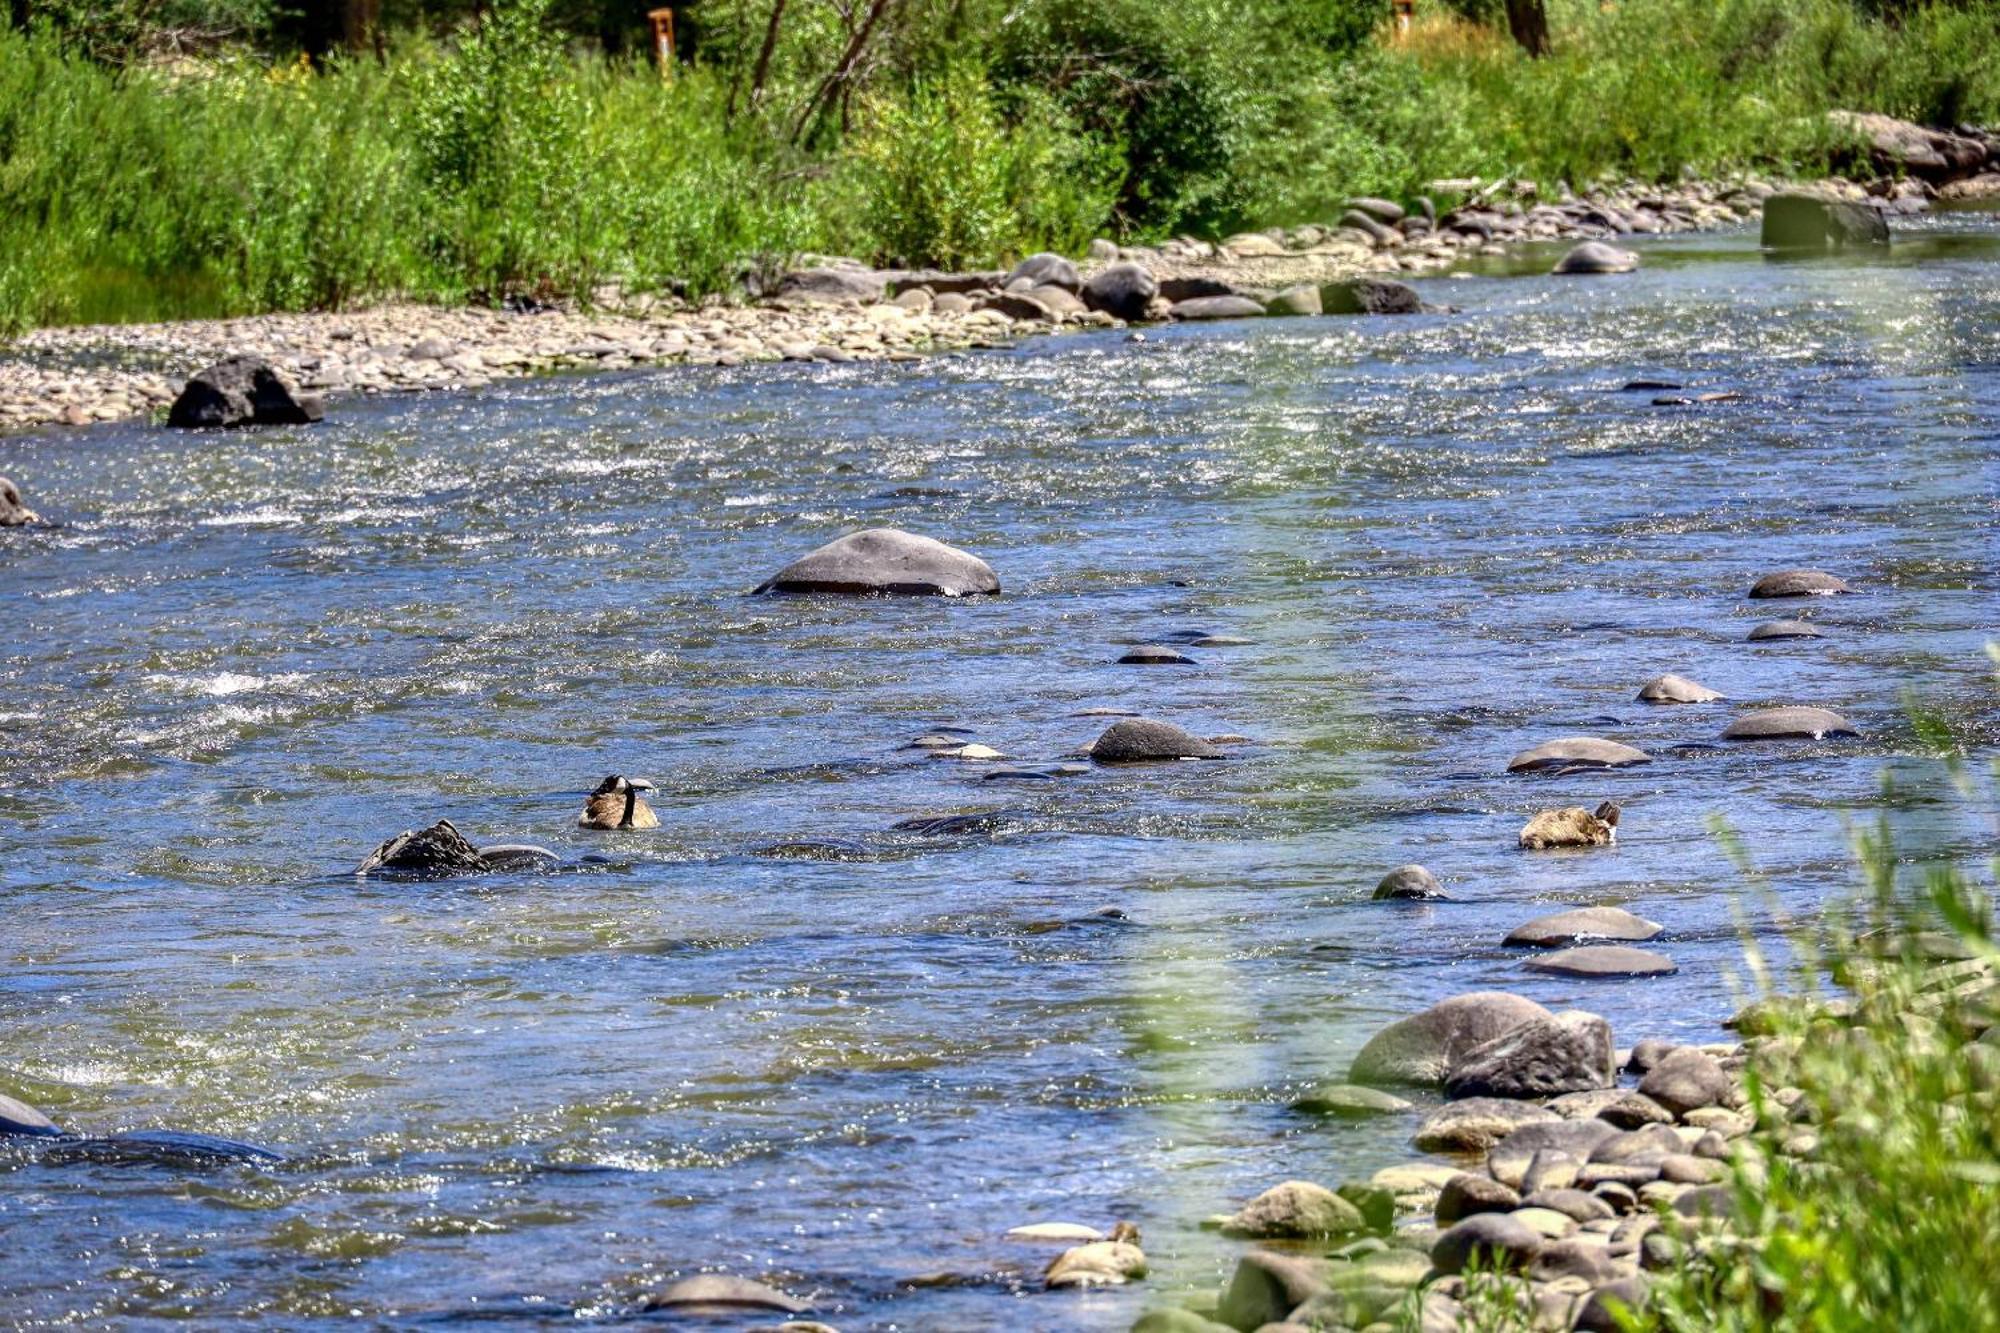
<point>1572,826</point>
<point>615,804</point>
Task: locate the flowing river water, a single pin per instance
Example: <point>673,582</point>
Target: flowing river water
<point>779,1037</point>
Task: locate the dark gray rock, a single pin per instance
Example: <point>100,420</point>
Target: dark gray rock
<point>1047,270</point>
<point>1512,1156</point>
<point>1799,583</point>
<point>1635,1110</point>
<point>886,561</point>
<point>1266,1287</point>
<point>1017,305</point>
<point>1218,307</point>
<point>1544,1057</point>
<point>1672,689</point>
<point>1468,1193</point>
<point>243,391</point>
<point>1603,960</point>
<point>1583,923</point>
<point>1573,1204</point>
<point>1611,1305</point>
<point>17,1117</point>
<point>1596,257</point>
<point>1124,291</point>
<point>1370,296</point>
<point>1137,740</point>
<point>1716,1201</point>
<point>941,283</point>
<point>14,512</point>
<point>1356,220</point>
<point>1475,1124</point>
<point>1686,1078</point>
<point>1410,882</point>
<point>1153,654</point>
<point>833,286</point>
<point>1176,290</point>
<point>721,1294</point>
<point>1805,222</point>
<point>1577,752</point>
<point>1782,629</point>
<point>1493,1240</point>
<point>1420,1049</point>
<point>1789,723</point>
<point>1648,1143</point>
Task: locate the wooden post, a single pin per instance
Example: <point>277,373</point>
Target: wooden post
<point>663,40</point>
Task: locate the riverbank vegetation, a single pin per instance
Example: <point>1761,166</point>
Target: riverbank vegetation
<point>211,156</point>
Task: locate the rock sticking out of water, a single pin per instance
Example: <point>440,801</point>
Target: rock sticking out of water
<point>1604,960</point>
<point>1410,882</point>
<point>1153,654</point>
<point>1294,1210</point>
<point>1799,583</point>
<point>17,1117</point>
<point>1103,1263</point>
<point>243,391</point>
<point>1068,1233</point>
<point>1790,723</point>
<point>1577,752</point>
<point>1809,222</point>
<point>1370,296</point>
<point>885,561</point>
<point>1544,1057</point>
<point>1349,1101</point>
<point>1584,923</point>
<point>1673,689</point>
<point>1217,307</point>
<point>1140,740</point>
<point>1420,1049</point>
<point>721,1294</point>
<point>1782,629</point>
<point>1596,257</point>
<point>14,512</point>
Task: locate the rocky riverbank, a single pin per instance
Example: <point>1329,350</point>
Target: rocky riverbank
<point>842,311</point>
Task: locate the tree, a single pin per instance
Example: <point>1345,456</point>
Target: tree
<point>1529,23</point>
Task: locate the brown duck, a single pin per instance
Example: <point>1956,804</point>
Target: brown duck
<point>616,805</point>
<point>1572,826</point>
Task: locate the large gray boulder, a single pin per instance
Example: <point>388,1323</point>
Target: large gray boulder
<point>1294,1210</point>
<point>1512,1156</point>
<point>243,391</point>
<point>1217,307</point>
<point>1799,583</point>
<point>1047,270</point>
<point>1559,929</point>
<point>1476,1124</point>
<point>1544,1057</point>
<point>1603,960</point>
<point>833,286</point>
<point>1138,740</point>
<point>1370,296</point>
<point>1899,147</point>
<point>1410,882</point>
<point>1123,291</point>
<point>886,561</point>
<point>1577,752</point>
<point>14,511</point>
<point>720,1294</point>
<point>1492,1240</point>
<point>17,1117</point>
<point>1788,723</point>
<point>1420,1049</point>
<point>1673,689</point>
<point>1687,1078</point>
<point>1806,222</point>
<point>1596,257</point>
<point>1266,1287</point>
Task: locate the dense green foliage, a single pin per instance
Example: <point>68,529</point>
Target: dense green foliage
<point>514,155</point>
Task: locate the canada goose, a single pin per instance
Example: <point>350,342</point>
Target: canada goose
<point>616,805</point>
<point>14,513</point>
<point>1572,826</point>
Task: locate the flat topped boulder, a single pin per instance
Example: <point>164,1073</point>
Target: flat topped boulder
<point>833,285</point>
<point>1577,752</point>
<point>1420,1049</point>
<point>1474,1124</point>
<point>886,561</point>
<point>1410,883</point>
<point>1047,270</point>
<point>1807,222</point>
<point>1370,296</point>
<point>718,1293</point>
<point>14,511</point>
<point>1788,723</point>
<point>1799,583</point>
<point>1583,923</point>
<point>1217,307</point>
<point>1138,740</point>
<point>17,1117</point>
<point>1782,629</point>
<point>1604,960</point>
<point>1597,257</point>
<point>1673,689</point>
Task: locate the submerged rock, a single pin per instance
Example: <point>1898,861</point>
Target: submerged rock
<point>1672,689</point>
<point>1604,960</point>
<point>1544,1057</point>
<point>441,851</point>
<point>1582,923</point>
<point>1807,222</point>
<point>14,512</point>
<point>1123,291</point>
<point>721,1294</point>
<point>1370,296</point>
<point>1420,1049</point>
<point>1789,723</point>
<point>1411,882</point>
<point>243,391</point>
<point>161,1147</point>
<point>1153,654</point>
<point>1577,752</point>
<point>1597,257</point>
<point>1141,740</point>
<point>1350,1101</point>
<point>17,1117</point>
<point>885,561</point>
<point>1571,826</point>
<point>1799,583</point>
<point>1782,629</point>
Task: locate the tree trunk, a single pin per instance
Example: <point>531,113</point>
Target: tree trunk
<point>360,20</point>
<point>19,10</point>
<point>836,81</point>
<point>1529,23</point>
<point>764,52</point>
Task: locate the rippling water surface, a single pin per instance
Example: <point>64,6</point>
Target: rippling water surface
<point>779,1038</point>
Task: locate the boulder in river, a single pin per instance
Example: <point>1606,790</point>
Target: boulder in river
<point>243,391</point>
<point>885,561</point>
<point>1782,629</point>
<point>1597,257</point>
<point>1673,689</point>
<point>1303,299</point>
<point>1789,723</point>
<point>1217,307</point>
<point>1411,882</point>
<point>14,512</point>
<point>1123,291</point>
<point>1799,583</point>
<point>1571,826</point>
<point>1806,222</point>
<point>1047,270</point>
<point>441,851</point>
<point>1154,654</point>
<point>721,1294</point>
<point>1688,1078</point>
<point>1294,1210</point>
<point>833,286</point>
<point>1583,923</point>
<point>1370,296</point>
<point>1475,1124</point>
<point>1349,1101</point>
<point>17,1117</point>
<point>1577,752</point>
<point>1138,740</point>
<point>1420,1049</point>
<point>1603,960</point>
<point>1101,1263</point>
<point>1544,1057</point>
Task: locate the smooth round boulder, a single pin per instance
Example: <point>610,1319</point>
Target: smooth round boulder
<point>1596,257</point>
<point>886,561</point>
<point>1370,296</point>
<point>1799,583</point>
<point>14,511</point>
<point>1511,1158</point>
<point>1303,299</point>
<point>1294,1210</point>
<point>1686,1079</point>
<point>1577,752</point>
<point>1068,1233</point>
<point>1103,1263</point>
<point>1789,723</point>
<point>1410,883</point>
<point>1047,270</point>
<point>1604,960</point>
<point>17,1117</point>
<point>1139,740</point>
<point>721,1294</point>
<point>1493,1240</point>
<point>1349,1101</point>
<point>1419,1049</point>
<point>1673,689</point>
<point>1153,654</point>
<point>1123,291</point>
<point>1475,1124</point>
<point>1470,1193</point>
<point>1544,1057</point>
<point>1782,629</point>
<point>1559,929</point>
<point>1217,307</point>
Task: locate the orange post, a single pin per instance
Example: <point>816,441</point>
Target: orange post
<point>663,40</point>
